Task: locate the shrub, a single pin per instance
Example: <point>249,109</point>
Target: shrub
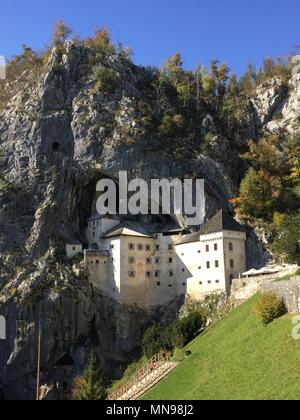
<point>269,307</point>
<point>155,339</point>
<point>185,330</point>
<point>107,80</point>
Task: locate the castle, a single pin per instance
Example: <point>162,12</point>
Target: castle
<point>138,268</point>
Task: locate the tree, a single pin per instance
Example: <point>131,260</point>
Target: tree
<point>61,32</point>
<point>259,194</point>
<point>287,242</point>
<point>155,339</point>
<point>89,387</point>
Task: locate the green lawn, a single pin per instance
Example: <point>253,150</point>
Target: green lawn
<point>237,359</point>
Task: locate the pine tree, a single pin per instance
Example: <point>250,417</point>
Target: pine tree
<point>89,387</point>
<point>61,32</point>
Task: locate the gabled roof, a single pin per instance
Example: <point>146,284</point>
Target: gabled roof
<point>122,230</point>
<point>220,222</point>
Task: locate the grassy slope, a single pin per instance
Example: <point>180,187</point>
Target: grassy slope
<point>238,358</point>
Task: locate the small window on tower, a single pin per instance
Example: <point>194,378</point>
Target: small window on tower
<point>140,247</point>
<point>171,274</point>
<point>131,260</point>
<point>207,248</point>
<point>157,274</point>
<point>148,247</point>
<point>131,247</point>
<point>216,247</point>
<point>208,264</point>
<point>157,260</point>
<point>131,273</point>
<point>170,260</point>
<point>217,264</point>
<point>230,246</point>
<point>157,247</point>
<point>74,248</point>
<point>170,247</point>
<point>148,260</point>
<point>148,274</point>
<point>231,263</point>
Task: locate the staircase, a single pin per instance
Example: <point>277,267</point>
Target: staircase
<point>156,369</point>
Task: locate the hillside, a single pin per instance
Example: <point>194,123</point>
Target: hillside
<point>237,359</point>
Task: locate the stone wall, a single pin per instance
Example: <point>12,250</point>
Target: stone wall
<point>289,290</point>
<point>244,289</point>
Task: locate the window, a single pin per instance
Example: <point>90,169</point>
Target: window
<point>208,264</point>
<point>183,284</point>
<point>157,247</point>
<point>157,274</point>
<point>131,260</point>
<point>94,234</point>
<point>209,282</point>
<point>199,252</point>
<point>217,281</point>
<point>148,260</point>
<point>158,283</point>
<point>148,247</point>
<point>171,274</point>
<point>231,263</point>
<point>92,262</point>
<point>131,273</point>
<point>97,262</point>
<point>170,285</point>
<point>230,246</point>
<point>170,260</point>
<point>216,247</point>
<point>148,274</point>
<point>207,248</point>
<point>199,268</point>
<point>131,247</point>
<point>217,264</point>
<point>157,260</point>
<point>94,223</point>
<point>182,254</point>
<point>170,247</point>
<point>112,247</point>
<point>140,247</point>
<point>74,248</point>
<point>200,282</point>
<point>183,270</point>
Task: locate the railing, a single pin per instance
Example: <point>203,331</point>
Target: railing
<point>153,365</point>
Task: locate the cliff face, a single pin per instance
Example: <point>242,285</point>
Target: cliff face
<point>58,136</point>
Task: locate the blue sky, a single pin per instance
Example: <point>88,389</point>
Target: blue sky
<point>233,31</point>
